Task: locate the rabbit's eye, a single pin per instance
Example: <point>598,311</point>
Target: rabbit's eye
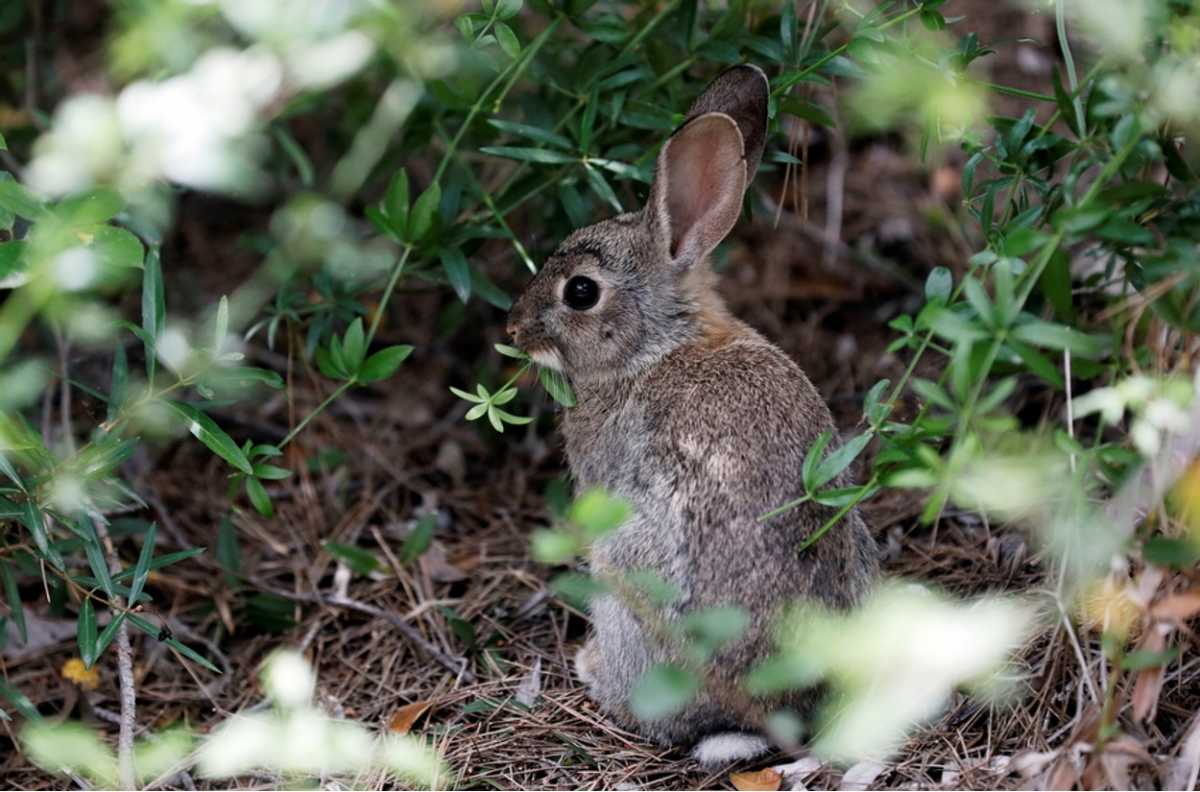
<point>581,293</point>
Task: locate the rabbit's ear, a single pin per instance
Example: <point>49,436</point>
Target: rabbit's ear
<point>704,168</point>
<point>742,93</point>
<point>697,193</point>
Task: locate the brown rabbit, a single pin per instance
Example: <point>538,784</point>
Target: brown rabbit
<point>696,419</point>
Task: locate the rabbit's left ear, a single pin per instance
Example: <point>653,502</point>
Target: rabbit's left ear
<point>704,168</point>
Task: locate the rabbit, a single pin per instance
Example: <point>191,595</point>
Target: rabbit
<point>694,418</point>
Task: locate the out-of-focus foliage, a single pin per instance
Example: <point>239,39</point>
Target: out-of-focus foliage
<point>292,741</point>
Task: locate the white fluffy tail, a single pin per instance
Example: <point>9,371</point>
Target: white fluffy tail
<point>721,749</point>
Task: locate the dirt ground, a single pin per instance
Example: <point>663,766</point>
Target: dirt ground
<point>487,625</point>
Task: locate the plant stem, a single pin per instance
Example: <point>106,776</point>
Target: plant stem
<point>127,773</point>
<point>1060,22</point>
<point>330,399</point>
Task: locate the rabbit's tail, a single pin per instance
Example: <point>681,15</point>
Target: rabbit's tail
<point>727,747</point>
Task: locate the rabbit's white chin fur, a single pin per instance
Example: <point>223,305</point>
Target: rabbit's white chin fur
<point>721,749</point>
<point>547,358</point>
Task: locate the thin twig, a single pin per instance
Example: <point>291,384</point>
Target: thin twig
<point>125,767</point>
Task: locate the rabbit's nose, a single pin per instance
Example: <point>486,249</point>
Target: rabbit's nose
<point>511,328</point>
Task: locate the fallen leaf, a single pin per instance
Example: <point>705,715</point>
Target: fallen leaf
<point>1177,607</point>
<point>795,773</point>
<point>860,776</point>
<point>402,720</point>
<point>1032,763</point>
<point>766,779</point>
<point>1146,689</point>
<point>75,671</point>
<point>433,563</point>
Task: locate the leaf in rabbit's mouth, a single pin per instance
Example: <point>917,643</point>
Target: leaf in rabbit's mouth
<point>547,357</point>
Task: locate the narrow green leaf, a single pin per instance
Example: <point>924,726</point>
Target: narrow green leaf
<point>839,460</point>
<point>222,325</point>
<point>259,497</point>
<point>85,633</point>
<point>20,701</point>
<point>107,634</point>
<point>557,386</point>
<point>13,595</point>
<point>531,132</point>
<point>142,570</point>
<point>813,459</point>
<point>395,203</point>
<point>418,539</point>
<point>148,628</point>
<point>527,154</point>
<point>420,220</point>
<point>354,346</point>
<point>229,553</point>
<point>153,308</point>
<point>458,272</point>
<point>213,436</point>
<point>361,561</point>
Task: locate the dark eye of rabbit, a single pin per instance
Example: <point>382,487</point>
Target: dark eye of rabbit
<point>581,293</point>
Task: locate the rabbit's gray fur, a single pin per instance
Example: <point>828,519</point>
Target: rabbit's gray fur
<point>696,419</point>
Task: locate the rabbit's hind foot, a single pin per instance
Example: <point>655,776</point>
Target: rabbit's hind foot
<point>728,747</point>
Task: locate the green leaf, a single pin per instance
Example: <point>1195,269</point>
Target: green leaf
<point>602,188</point>
<point>354,346</point>
<point>107,634</point>
<point>259,497</point>
<point>471,397</point>
<point>154,308</point>
<point>553,547</point>
<point>663,691</point>
<point>1168,552</point>
<point>1055,283</point>
<point>229,553</point>
<point>95,555</point>
<point>511,352</point>
<point>12,257</point>
<point>271,472</point>
<point>557,386</point>
<point>115,247</point>
<point>1057,336</point>
<point>420,220</point>
<point>812,459</point>
<point>528,154</point>
<point>221,328</point>
<point>150,629</point>
<point>13,595</point>
<point>578,590</point>
<point>839,460</point>
<point>419,539</point>
<point>507,40</point>
<point>20,701</point>
<point>458,272</point>
<point>213,436</point>
<point>85,633</point>
<point>938,284</point>
<point>713,627</point>
<point>33,520</point>
<point>360,561</point>
<point>809,111</point>
<point>395,203</point>
<point>18,200</point>
<point>531,132</point>
<point>161,561</point>
<point>1142,659</point>
<point>142,570</point>
<point>599,513</point>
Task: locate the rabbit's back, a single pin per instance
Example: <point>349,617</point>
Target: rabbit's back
<point>702,444</point>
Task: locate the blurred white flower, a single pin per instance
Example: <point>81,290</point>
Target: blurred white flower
<point>285,22</point>
<point>173,348</point>
<point>288,679</point>
<point>84,146</point>
<point>1177,89</point>
<point>75,269</point>
<point>325,63</point>
<point>1118,27</point>
<point>238,744</point>
<point>895,662</point>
